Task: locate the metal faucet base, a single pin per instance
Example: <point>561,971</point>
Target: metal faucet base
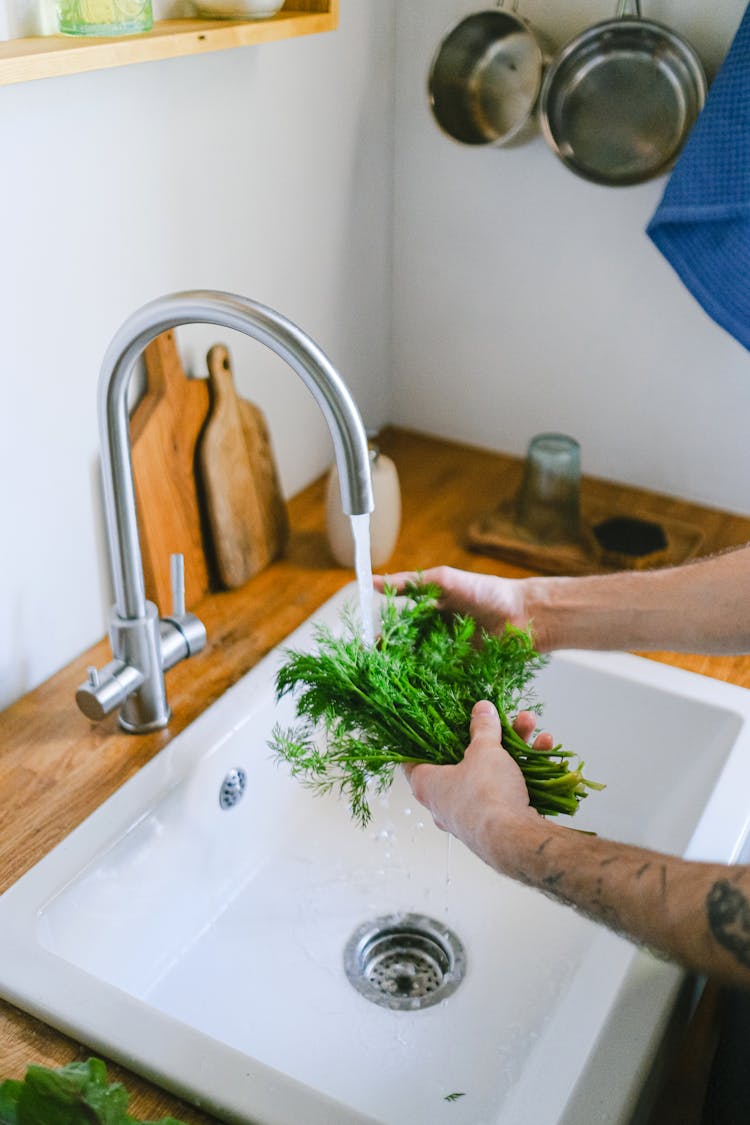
<point>144,728</point>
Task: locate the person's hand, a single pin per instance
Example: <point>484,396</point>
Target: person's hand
<point>485,793</point>
<point>490,600</point>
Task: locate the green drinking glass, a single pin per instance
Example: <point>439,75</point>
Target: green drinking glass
<point>104,17</point>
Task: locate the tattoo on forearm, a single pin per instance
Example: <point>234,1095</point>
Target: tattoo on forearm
<point>597,908</point>
<point>550,882</point>
<point>728,914</point>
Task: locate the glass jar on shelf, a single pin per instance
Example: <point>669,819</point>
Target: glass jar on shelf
<point>104,17</point>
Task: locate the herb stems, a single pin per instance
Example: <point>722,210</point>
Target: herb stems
<point>363,710</point>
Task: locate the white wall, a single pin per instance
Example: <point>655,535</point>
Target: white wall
<point>527,299</point>
<point>263,170</point>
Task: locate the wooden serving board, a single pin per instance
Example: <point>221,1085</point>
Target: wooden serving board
<point>164,430</point>
<point>497,534</point>
<point>245,512</point>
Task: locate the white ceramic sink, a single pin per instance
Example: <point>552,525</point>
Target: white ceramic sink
<point>204,947</point>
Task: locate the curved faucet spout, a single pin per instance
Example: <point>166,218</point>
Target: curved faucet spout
<point>143,645</point>
<point>261,323</point>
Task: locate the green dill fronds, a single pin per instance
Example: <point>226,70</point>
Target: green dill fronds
<point>363,709</point>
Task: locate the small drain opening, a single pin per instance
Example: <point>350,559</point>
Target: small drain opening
<point>404,961</point>
<point>232,788</point>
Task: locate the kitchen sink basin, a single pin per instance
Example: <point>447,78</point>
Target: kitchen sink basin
<point>206,925</point>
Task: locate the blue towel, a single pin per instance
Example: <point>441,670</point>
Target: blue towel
<point>702,225</point>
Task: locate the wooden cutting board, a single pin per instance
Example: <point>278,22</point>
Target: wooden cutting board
<point>164,430</point>
<point>245,512</point>
<point>497,534</point>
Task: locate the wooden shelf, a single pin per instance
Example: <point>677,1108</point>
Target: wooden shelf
<point>51,56</point>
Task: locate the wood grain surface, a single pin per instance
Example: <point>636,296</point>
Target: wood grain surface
<point>164,430</point>
<point>497,533</point>
<point>56,767</point>
<point>246,517</point>
<point>49,56</point>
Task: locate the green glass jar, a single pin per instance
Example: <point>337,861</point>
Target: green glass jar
<point>104,17</point>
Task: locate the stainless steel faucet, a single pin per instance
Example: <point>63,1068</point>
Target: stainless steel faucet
<point>143,646</point>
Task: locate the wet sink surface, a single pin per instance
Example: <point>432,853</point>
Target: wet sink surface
<point>204,946</point>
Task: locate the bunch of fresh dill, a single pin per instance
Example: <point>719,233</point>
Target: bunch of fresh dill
<point>364,709</point>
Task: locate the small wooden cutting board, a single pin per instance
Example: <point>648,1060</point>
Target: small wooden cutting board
<point>245,512</point>
<point>497,534</point>
<point>164,430</point>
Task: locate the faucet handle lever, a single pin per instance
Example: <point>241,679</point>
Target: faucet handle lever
<point>182,633</point>
<point>177,580</point>
<point>107,688</point>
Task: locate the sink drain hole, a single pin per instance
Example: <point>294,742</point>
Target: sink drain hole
<point>232,788</point>
<point>404,961</point>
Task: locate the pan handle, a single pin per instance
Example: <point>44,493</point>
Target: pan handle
<point>629,8</point>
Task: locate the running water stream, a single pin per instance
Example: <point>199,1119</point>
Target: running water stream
<point>363,569</point>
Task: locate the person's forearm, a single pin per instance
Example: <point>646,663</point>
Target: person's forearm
<point>696,914</point>
<point>698,607</point>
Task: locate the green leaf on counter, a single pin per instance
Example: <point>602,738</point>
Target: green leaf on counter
<point>76,1094</point>
<point>10,1091</point>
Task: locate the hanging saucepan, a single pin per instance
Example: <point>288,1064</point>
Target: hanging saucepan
<point>618,102</point>
<point>485,78</point>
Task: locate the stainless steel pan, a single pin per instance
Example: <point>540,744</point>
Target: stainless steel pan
<point>618,102</point>
<point>485,78</point>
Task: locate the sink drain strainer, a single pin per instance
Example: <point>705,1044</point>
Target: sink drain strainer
<point>404,961</point>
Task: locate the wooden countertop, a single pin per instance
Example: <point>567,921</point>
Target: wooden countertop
<point>56,767</point>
